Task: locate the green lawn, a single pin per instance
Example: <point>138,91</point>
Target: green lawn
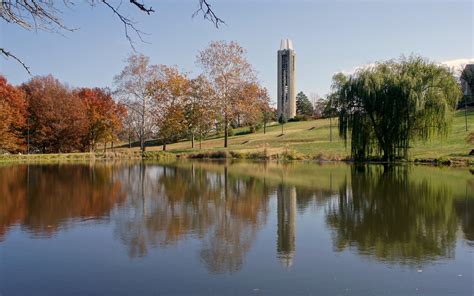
<point>312,139</point>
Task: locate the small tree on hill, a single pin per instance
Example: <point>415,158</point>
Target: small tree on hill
<point>282,120</point>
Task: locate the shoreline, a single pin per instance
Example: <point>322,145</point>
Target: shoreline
<point>220,154</point>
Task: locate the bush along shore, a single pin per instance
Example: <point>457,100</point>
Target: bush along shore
<point>260,155</point>
<point>92,156</point>
<point>289,155</point>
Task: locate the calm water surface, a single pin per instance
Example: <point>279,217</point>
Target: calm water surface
<point>198,228</point>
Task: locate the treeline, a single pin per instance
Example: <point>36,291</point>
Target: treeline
<point>45,116</point>
<point>149,101</point>
<point>314,107</point>
<point>165,103</point>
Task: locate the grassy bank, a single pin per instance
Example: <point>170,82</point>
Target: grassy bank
<point>317,140</point>
<point>95,156</point>
<point>307,140</point>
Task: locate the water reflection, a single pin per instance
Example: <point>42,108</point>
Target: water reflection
<point>286,196</point>
<point>386,214</point>
<point>171,204</point>
<point>44,198</point>
<point>399,215</point>
<point>465,212</point>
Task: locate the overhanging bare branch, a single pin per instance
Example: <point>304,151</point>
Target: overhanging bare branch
<point>8,54</point>
<point>208,13</point>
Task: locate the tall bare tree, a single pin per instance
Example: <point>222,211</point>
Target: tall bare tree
<point>132,87</point>
<point>316,101</point>
<point>227,68</point>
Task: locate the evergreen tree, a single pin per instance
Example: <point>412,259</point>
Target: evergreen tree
<point>303,105</point>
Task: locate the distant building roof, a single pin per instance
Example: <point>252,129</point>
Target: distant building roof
<point>469,67</point>
<point>286,44</point>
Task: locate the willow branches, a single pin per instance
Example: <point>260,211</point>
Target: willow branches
<point>387,106</point>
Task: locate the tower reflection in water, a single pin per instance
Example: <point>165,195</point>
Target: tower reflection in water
<point>286,232</point>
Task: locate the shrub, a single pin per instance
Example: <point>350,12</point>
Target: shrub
<point>299,117</point>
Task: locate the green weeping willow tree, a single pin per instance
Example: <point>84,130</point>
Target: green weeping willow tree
<point>386,106</point>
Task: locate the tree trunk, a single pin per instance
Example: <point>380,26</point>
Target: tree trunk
<point>105,147</point>
<point>264,127</point>
<point>129,141</point>
<point>164,146</point>
<point>226,131</point>
<point>282,128</point>
<point>330,128</point>
<point>387,155</point>
<point>465,110</point>
<point>142,144</point>
<point>192,140</point>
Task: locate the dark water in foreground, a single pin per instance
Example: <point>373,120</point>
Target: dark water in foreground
<point>196,228</point>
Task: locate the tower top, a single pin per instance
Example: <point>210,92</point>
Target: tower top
<point>286,44</point>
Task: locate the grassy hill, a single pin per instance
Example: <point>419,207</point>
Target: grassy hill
<point>311,139</point>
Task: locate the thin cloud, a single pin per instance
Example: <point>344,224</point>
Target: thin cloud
<point>456,65</point>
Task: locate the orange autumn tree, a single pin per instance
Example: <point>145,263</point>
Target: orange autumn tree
<point>104,116</point>
<point>200,110</point>
<point>58,118</point>
<point>170,91</point>
<point>12,117</point>
<point>252,105</point>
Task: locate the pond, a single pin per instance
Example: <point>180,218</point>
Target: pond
<point>235,228</point>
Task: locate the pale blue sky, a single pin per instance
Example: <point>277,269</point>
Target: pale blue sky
<point>329,36</point>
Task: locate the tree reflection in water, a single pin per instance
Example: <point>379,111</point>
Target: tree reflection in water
<point>223,211</point>
<point>465,212</point>
<point>385,214</point>
<point>44,198</point>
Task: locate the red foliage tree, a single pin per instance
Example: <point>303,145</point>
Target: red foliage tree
<point>12,117</point>
<point>104,115</point>
<point>58,118</point>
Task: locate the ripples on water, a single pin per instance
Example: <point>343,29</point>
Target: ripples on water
<point>177,228</point>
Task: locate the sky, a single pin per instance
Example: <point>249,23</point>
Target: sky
<point>328,37</point>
